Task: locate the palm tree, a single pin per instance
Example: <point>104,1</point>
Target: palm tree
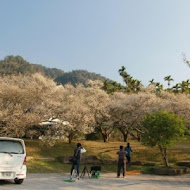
<point>105,85</point>
<point>120,87</point>
<point>131,84</point>
<point>159,87</point>
<point>138,85</point>
<point>152,82</point>
<point>127,79</point>
<point>188,83</point>
<point>184,86</point>
<point>176,88</point>
<point>169,79</point>
<point>124,75</point>
<point>121,71</point>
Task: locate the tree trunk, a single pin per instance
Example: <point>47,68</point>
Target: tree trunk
<point>70,137</point>
<point>125,133</point>
<point>164,156</point>
<point>138,136</point>
<point>125,137</point>
<point>105,137</point>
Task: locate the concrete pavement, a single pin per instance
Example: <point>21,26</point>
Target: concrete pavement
<point>107,181</point>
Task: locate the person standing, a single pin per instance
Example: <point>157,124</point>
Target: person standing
<point>128,149</point>
<point>77,157</point>
<point>121,162</point>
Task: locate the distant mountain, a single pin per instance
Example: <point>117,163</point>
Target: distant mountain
<point>17,65</point>
<point>78,76</point>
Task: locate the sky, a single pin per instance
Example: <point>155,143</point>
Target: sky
<point>148,37</point>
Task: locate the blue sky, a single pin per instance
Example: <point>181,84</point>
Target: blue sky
<point>148,37</point>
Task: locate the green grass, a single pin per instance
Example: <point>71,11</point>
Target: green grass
<point>57,167</point>
<point>103,151</point>
<point>36,166</point>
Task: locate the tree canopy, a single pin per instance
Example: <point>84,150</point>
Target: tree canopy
<point>162,129</point>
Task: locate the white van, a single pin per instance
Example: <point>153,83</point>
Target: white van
<point>12,159</point>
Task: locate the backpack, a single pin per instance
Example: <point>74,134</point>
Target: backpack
<point>73,158</point>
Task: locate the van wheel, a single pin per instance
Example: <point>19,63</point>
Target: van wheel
<point>19,181</point>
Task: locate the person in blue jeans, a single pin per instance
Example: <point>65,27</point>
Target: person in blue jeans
<point>77,157</point>
<point>128,149</point>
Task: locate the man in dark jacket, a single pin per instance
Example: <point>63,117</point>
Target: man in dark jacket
<point>77,157</point>
<point>121,161</point>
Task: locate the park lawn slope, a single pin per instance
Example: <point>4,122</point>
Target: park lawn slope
<point>104,151</point>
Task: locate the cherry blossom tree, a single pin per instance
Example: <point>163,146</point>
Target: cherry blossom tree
<point>78,107</point>
<point>127,111</point>
<point>21,102</point>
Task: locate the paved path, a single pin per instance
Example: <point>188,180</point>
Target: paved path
<point>107,181</point>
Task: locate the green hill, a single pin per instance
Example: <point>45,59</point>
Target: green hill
<point>17,65</point>
<point>78,76</point>
<point>14,65</point>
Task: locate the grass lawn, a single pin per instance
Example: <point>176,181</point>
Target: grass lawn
<point>102,150</point>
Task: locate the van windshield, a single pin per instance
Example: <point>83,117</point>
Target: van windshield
<point>11,147</point>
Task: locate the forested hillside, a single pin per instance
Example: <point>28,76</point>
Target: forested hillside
<point>17,65</point>
<point>78,76</point>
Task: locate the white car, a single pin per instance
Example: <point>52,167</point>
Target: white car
<point>12,159</point>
